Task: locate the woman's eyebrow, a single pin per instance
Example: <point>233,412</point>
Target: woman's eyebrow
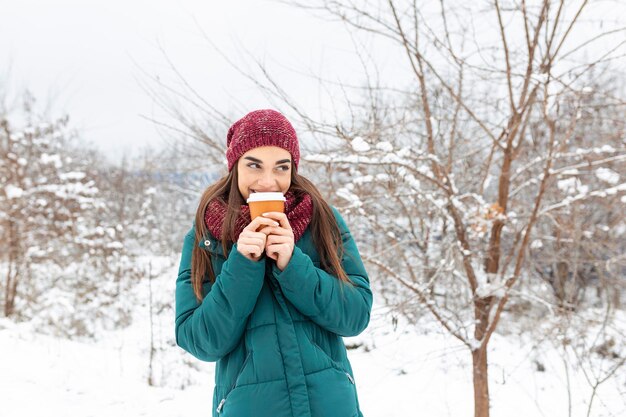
<point>258,161</point>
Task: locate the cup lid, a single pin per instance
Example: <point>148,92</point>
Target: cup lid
<point>265,197</point>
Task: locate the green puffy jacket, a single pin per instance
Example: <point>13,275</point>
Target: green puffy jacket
<point>276,336</point>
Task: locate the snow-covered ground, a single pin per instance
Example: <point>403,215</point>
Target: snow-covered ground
<point>399,373</point>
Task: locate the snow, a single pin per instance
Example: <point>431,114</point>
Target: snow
<point>321,158</point>
<point>584,195</point>
<point>490,289</point>
<point>35,251</point>
<point>488,284</point>
<point>72,176</point>
<point>349,196</point>
<point>54,159</point>
<point>572,185</point>
<point>115,245</point>
<point>607,175</point>
<point>384,146</point>
<point>403,373</point>
<point>363,179</point>
<point>409,179</point>
<point>603,149</point>
<point>70,190</point>
<point>414,370</point>
<point>359,145</point>
<point>13,191</point>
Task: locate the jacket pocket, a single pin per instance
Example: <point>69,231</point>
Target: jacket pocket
<point>220,405</point>
<point>331,393</point>
<point>329,358</point>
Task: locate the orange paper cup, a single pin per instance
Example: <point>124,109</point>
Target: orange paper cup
<point>260,203</point>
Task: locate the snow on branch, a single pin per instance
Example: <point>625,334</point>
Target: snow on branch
<point>583,196</point>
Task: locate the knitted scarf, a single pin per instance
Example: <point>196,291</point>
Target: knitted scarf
<point>299,211</point>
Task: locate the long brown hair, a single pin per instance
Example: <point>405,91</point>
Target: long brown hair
<point>324,228</point>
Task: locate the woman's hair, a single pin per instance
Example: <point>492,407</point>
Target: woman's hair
<point>324,228</point>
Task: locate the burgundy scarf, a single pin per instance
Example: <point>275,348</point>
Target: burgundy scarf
<point>298,209</point>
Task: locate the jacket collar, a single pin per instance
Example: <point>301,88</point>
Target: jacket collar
<point>212,245</point>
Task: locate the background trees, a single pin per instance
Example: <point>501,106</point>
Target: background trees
<point>493,134</point>
<point>75,228</point>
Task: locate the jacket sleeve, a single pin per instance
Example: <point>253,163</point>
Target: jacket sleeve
<point>212,328</point>
<point>334,305</point>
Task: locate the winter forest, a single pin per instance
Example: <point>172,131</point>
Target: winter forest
<point>478,156</point>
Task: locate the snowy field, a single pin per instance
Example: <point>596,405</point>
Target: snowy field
<point>399,373</point>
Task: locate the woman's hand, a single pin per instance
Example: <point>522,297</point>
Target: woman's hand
<point>280,241</point>
<point>251,243</point>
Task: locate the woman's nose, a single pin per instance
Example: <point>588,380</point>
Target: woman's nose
<point>267,179</point>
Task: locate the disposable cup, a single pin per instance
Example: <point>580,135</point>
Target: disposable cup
<point>260,203</point>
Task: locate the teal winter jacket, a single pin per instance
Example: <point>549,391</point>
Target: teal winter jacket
<point>276,336</point>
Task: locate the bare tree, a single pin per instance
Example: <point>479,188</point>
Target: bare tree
<point>455,171</point>
<point>456,175</point>
<point>42,199</point>
<point>66,257</point>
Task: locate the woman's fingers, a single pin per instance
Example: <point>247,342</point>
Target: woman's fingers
<point>250,250</point>
<point>252,242</point>
<point>274,239</point>
<point>276,249</point>
<point>276,230</point>
<point>251,237</point>
<point>258,222</point>
<point>271,255</point>
<point>278,216</point>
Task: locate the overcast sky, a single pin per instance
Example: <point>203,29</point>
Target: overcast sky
<point>84,57</point>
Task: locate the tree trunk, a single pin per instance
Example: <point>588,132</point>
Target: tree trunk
<point>7,303</point>
<point>10,290</point>
<point>481,382</point>
<point>12,274</point>
<point>152,349</point>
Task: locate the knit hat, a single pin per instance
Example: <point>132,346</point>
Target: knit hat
<point>261,128</point>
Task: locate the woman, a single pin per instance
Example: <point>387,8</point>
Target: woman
<point>270,299</point>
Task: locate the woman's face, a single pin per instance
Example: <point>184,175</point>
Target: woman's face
<point>264,169</point>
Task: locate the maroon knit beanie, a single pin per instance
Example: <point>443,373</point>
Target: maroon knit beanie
<point>261,128</point>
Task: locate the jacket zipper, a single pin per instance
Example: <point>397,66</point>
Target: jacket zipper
<point>220,406</point>
<point>350,378</point>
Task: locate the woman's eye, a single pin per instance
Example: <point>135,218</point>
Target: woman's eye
<point>254,165</point>
<point>283,168</point>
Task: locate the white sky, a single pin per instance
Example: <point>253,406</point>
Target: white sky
<point>83,56</point>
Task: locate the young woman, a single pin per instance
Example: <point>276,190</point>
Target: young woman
<point>270,299</point>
